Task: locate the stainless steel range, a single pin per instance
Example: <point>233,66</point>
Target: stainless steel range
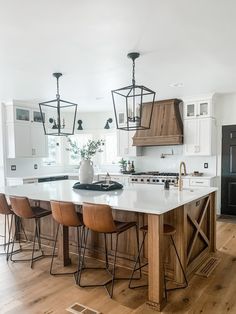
<point>153,177</point>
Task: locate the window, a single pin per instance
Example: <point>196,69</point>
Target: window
<point>80,139</point>
<point>109,155</point>
<point>54,151</point>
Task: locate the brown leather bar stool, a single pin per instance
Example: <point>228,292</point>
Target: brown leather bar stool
<point>64,213</point>
<point>22,209</point>
<point>5,209</point>
<point>98,218</point>
<point>169,231</point>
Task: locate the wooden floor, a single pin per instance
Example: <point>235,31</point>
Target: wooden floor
<point>27,291</point>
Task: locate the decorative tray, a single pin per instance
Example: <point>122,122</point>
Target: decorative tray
<point>98,186</point>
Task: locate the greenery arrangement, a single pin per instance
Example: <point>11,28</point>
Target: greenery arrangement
<point>123,164</point>
<point>88,150</point>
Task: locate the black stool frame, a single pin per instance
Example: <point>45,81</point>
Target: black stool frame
<point>80,231</point>
<point>36,235</point>
<point>110,272</point>
<point>7,225</point>
<point>140,267</point>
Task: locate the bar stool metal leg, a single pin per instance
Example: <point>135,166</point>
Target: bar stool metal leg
<point>181,266</point>
<point>33,250</point>
<point>5,243</point>
<point>7,235</point>
<point>114,268</point>
<point>9,238</point>
<point>105,268</point>
<point>35,235</point>
<point>140,266</point>
<point>79,243</point>
<point>112,272</point>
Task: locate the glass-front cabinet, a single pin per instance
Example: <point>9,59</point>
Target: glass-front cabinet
<point>22,114</point>
<point>27,115</point>
<point>196,109</point>
<point>190,110</point>
<point>37,116</point>
<point>25,123</point>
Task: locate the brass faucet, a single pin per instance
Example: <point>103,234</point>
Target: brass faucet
<point>182,164</point>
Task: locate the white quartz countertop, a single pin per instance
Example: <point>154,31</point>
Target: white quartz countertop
<point>145,198</point>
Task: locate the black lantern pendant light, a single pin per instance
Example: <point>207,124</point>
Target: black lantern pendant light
<point>133,104</point>
<point>58,115</point>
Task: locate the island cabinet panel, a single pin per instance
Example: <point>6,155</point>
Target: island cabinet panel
<point>200,238</point>
<point>194,238</point>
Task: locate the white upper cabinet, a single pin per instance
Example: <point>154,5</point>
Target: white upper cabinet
<point>199,137</point>
<point>125,146</point>
<point>199,108</point>
<point>39,143</point>
<point>24,132</point>
<point>199,128</point>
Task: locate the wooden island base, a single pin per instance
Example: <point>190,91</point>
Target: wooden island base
<point>195,240</point>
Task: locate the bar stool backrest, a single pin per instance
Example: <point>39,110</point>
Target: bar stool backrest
<point>21,206</point>
<point>4,207</point>
<point>65,213</point>
<point>98,217</point>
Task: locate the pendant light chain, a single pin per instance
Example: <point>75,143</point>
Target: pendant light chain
<point>133,78</point>
<point>58,95</point>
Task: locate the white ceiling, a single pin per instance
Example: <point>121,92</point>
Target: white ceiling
<point>185,41</point>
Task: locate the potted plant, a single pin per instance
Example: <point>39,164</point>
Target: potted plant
<point>89,150</point>
<point>123,165</point>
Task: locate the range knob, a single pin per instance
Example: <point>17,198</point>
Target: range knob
<point>173,181</point>
<point>158,180</point>
<point>162,180</point>
<point>141,180</point>
<point>153,180</point>
<point>148,180</point>
<point>136,180</point>
<point>132,179</point>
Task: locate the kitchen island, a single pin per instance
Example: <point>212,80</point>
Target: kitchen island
<point>191,212</point>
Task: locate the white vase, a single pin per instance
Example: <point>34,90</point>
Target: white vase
<point>86,172</point>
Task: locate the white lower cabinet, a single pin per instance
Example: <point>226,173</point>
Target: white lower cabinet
<point>199,182</point>
<point>125,146</point>
<point>199,137</point>
<point>26,140</point>
<point>20,181</point>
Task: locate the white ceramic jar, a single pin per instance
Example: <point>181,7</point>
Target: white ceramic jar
<point>86,171</point>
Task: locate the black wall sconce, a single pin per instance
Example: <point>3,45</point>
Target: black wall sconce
<point>107,125</point>
<point>79,125</point>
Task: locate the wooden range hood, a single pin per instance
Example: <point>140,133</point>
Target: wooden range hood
<point>166,125</point>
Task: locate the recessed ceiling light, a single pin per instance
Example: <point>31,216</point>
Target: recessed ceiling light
<point>178,84</point>
<point>99,98</point>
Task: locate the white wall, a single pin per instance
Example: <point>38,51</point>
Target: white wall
<point>151,160</point>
